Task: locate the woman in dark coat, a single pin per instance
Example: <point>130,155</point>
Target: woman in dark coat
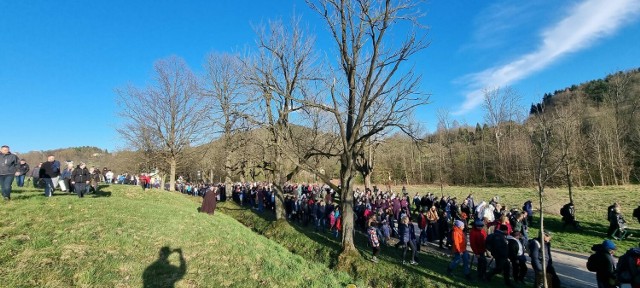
<point>209,202</point>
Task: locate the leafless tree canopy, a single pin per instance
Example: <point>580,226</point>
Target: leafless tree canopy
<point>165,117</point>
<point>370,90</point>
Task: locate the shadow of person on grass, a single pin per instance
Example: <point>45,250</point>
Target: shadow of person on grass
<point>161,273</point>
<point>101,193</point>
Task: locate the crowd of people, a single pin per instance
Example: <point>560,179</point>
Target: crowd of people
<point>498,238</point>
<point>51,175</point>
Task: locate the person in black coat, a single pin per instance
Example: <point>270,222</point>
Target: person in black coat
<point>80,179</point>
<point>606,268</point>
<point>497,244</point>
<point>49,173</point>
<point>535,251</point>
<point>517,257</point>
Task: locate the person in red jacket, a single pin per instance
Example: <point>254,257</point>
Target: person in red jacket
<point>422,224</point>
<point>478,237</point>
<point>459,250</point>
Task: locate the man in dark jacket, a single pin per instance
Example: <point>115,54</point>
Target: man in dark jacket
<point>23,169</point>
<point>516,256</point>
<point>80,178</point>
<point>8,170</point>
<point>605,265</point>
<point>498,245</point>
<point>628,268</point>
<point>536,253</point>
<point>49,173</point>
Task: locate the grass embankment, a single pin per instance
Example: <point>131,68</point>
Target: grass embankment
<point>115,239</point>
<point>322,247</point>
<point>591,210</point>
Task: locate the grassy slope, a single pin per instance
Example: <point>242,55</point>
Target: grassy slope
<point>591,210</point>
<point>109,241</point>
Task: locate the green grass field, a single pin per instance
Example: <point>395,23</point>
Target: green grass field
<point>115,238</point>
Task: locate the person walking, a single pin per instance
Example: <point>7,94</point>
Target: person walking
<point>66,178</point>
<point>8,170</point>
<point>80,178</point>
<point>603,264</point>
<point>628,268</point>
<point>49,173</point>
<point>498,245</point>
<point>23,169</point>
<point>536,254</point>
<point>372,232</point>
<point>478,237</point>
<point>406,231</point>
<point>517,257</point>
<point>459,250</point>
<point>35,176</point>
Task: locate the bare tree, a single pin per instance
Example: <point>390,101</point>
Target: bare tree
<point>281,75</point>
<point>501,110</point>
<point>568,125</point>
<point>371,92</point>
<point>547,161</point>
<point>166,116</point>
<point>224,85</point>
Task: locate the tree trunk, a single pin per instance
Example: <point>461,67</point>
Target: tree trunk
<point>367,181</point>
<point>172,173</point>
<point>278,189</point>
<point>227,172</point>
<point>346,196</point>
<point>569,182</point>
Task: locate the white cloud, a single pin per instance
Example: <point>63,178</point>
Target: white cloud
<point>584,24</point>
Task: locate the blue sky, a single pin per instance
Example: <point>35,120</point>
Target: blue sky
<point>60,61</point>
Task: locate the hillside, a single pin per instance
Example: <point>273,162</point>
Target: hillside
<point>114,239</point>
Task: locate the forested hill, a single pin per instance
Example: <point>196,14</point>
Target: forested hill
<point>621,86</point>
<point>595,129</point>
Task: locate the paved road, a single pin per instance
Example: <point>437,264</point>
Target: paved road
<point>572,269</point>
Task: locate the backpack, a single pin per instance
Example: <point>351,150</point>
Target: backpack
<point>627,267</point>
<point>592,263</point>
<point>611,213</point>
<point>497,245</point>
<point>564,211</point>
<point>636,213</point>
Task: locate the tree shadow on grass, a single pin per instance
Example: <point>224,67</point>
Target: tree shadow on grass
<point>161,273</point>
<point>588,229</point>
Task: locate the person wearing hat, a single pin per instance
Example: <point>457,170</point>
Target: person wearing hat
<point>459,250</point>
<point>536,254</point>
<point>478,237</point>
<point>604,265</point>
